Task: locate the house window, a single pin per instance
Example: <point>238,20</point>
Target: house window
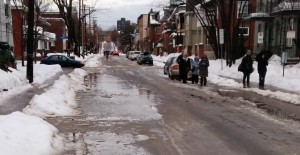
<point>242,9</point>
<point>244,31</point>
<point>289,40</point>
<point>7,29</point>
<point>158,30</point>
<point>6,10</point>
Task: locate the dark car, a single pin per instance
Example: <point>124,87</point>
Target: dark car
<point>168,64</point>
<point>61,60</point>
<point>7,57</point>
<point>145,58</point>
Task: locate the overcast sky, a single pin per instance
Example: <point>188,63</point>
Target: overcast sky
<point>109,11</point>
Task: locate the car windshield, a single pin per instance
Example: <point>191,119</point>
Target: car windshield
<point>137,52</point>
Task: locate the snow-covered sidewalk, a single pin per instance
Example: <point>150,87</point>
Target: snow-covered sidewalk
<point>26,133</point>
<point>225,77</point>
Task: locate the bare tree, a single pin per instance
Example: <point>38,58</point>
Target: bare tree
<point>214,15</point>
<point>66,8</point>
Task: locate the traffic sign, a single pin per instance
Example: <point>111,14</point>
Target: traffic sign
<point>260,37</point>
<point>221,35</point>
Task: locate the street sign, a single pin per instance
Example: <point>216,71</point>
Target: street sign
<point>221,35</point>
<point>290,34</point>
<point>260,37</point>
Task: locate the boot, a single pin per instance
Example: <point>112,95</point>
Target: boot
<point>244,85</point>
<point>248,85</point>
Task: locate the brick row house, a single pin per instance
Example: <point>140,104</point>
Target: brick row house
<point>49,30</point>
<point>5,22</point>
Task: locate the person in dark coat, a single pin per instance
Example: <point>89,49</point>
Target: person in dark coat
<point>262,62</point>
<point>247,68</point>
<point>203,70</point>
<point>184,66</point>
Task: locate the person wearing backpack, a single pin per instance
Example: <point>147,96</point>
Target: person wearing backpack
<point>246,67</point>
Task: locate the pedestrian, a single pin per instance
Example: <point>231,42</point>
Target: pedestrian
<point>195,70</point>
<point>246,67</point>
<point>184,66</point>
<point>262,59</point>
<point>203,70</point>
<point>108,47</point>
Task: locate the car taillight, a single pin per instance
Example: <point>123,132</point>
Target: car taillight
<point>175,66</point>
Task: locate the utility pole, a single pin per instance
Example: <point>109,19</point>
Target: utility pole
<point>30,19</point>
<point>79,24</point>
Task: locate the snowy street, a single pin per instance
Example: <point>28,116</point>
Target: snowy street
<point>118,107</point>
<point>132,109</point>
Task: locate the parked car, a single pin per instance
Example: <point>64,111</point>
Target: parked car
<point>145,58</point>
<point>8,54</point>
<point>167,65</point>
<point>114,53</point>
<point>133,55</point>
<point>174,70</point>
<point>61,60</point>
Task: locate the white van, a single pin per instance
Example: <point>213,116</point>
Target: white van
<point>133,54</point>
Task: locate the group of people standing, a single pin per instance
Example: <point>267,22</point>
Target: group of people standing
<point>199,68</point>
<point>193,68</point>
<point>246,66</point>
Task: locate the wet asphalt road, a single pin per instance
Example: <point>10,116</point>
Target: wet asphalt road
<point>130,109</point>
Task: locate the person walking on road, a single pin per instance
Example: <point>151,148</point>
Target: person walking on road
<point>108,47</point>
<point>195,70</point>
<point>203,70</point>
<point>262,62</point>
<point>246,67</point>
<point>184,66</point>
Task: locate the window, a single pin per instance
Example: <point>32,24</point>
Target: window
<point>7,27</point>
<point>54,57</point>
<point>244,31</point>
<point>242,9</point>
<point>291,33</point>
<point>6,10</point>
<point>158,30</point>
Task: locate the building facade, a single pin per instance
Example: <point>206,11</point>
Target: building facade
<point>121,24</point>
<point>5,22</point>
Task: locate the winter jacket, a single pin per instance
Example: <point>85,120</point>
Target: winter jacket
<point>203,67</point>
<point>262,61</point>
<point>246,65</point>
<point>195,66</point>
<point>184,64</point>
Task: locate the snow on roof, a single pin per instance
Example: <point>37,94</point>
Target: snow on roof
<point>258,15</point>
<point>153,21</point>
<point>287,6</point>
<point>176,10</point>
<point>182,11</point>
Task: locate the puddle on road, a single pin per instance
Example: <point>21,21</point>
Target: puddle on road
<point>114,144</point>
<point>114,99</point>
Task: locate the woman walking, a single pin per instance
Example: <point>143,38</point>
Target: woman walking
<point>203,70</point>
<point>247,68</point>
